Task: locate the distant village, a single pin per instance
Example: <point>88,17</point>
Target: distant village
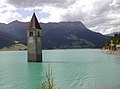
<point>113,44</point>
<point>16,46</point>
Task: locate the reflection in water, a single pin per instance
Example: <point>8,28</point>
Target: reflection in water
<point>55,62</point>
<point>35,75</point>
<point>72,69</point>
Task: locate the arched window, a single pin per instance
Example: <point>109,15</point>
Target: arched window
<point>38,34</point>
<point>31,33</point>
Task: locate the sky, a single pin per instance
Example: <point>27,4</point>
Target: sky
<point>101,16</point>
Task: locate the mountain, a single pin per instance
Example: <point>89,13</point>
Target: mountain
<point>55,35</point>
<point>7,39</point>
<point>112,34</point>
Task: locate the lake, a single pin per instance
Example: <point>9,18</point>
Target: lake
<point>71,68</point>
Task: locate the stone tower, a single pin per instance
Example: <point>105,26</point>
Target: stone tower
<point>34,42</point>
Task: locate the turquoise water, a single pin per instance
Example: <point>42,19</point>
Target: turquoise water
<point>72,69</point>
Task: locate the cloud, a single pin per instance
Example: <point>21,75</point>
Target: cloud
<point>5,6</point>
<point>55,14</point>
<point>26,19</point>
<point>10,16</point>
<point>97,15</point>
<point>7,13</point>
<point>39,3</point>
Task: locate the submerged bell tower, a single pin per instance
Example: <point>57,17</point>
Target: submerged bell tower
<point>34,41</point>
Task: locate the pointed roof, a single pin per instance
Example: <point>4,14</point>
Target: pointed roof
<point>34,24</point>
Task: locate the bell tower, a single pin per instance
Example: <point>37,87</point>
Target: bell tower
<point>34,41</point>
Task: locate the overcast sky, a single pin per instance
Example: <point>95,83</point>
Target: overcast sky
<point>98,15</point>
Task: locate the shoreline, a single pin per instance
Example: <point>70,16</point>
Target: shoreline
<point>111,52</point>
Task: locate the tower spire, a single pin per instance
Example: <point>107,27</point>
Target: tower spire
<point>34,24</point>
<point>34,43</point>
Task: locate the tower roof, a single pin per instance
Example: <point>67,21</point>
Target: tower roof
<point>34,24</point>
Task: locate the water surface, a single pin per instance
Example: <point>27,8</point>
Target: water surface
<point>72,69</point>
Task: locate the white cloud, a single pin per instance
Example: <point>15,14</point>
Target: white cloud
<point>97,15</point>
<point>115,3</point>
<point>7,12</point>
<point>34,3</point>
<point>100,16</point>
<point>27,19</point>
<point>54,14</point>
<point>10,16</point>
<point>5,6</point>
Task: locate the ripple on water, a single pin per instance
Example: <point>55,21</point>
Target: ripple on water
<point>72,69</point>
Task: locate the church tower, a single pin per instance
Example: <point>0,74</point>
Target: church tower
<point>34,42</point>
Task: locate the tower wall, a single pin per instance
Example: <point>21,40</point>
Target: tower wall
<point>34,42</point>
<point>39,47</point>
<point>34,49</point>
<point>31,49</point>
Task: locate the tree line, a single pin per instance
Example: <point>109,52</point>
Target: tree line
<point>113,43</point>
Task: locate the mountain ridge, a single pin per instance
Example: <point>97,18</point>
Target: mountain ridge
<point>55,35</point>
